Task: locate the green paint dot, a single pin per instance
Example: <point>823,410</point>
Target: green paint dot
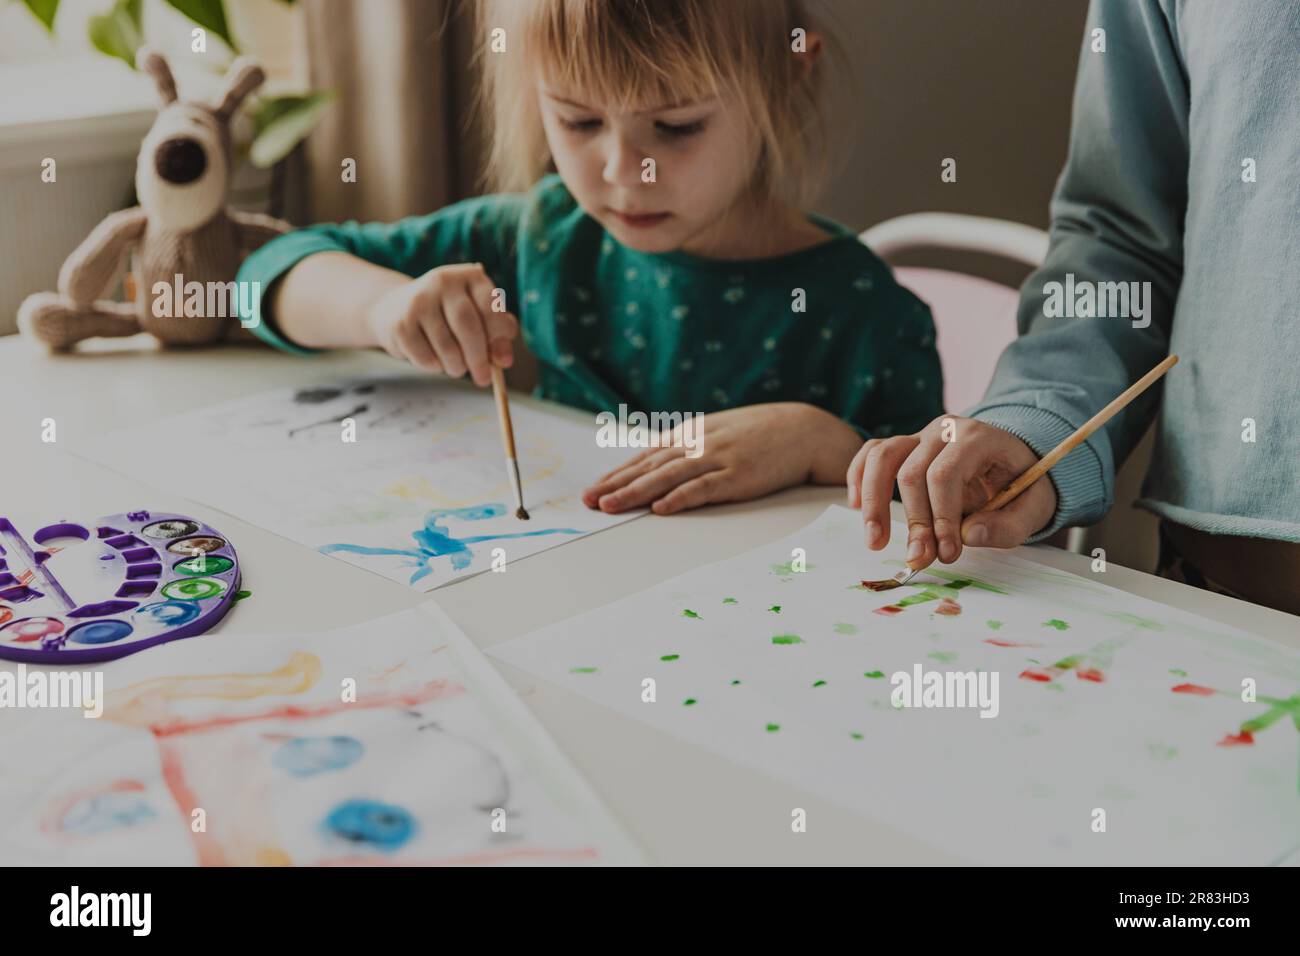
<point>775,609</point>
<point>943,657</point>
<point>730,601</point>
<point>787,639</point>
<point>773,728</point>
<point>1059,625</point>
<point>842,627</point>
<point>240,595</point>
<point>819,683</point>
<point>734,683</point>
<point>855,735</point>
<point>689,702</point>
<point>670,657</point>
<point>993,625</point>
<point>689,613</point>
<point>1033,660</point>
<point>193,589</point>
<point>583,670</point>
<point>202,564</point>
<point>1178,672</point>
<point>1160,751</point>
<point>874,674</point>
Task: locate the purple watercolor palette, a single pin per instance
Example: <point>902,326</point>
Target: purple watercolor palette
<point>76,593</point>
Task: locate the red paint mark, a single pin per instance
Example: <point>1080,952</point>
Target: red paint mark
<point>888,584</point>
<point>5,613</point>
<point>1236,740</point>
<point>434,690</point>
<point>1195,689</point>
<point>1091,674</point>
<point>1031,674</point>
<point>948,607</point>
<point>997,643</point>
<point>889,610</point>
<point>207,846</point>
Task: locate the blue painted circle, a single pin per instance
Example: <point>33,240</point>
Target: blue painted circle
<point>171,613</point>
<point>99,632</point>
<point>367,822</point>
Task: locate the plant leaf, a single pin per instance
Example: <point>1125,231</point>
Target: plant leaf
<point>209,14</point>
<point>119,32</point>
<point>44,10</point>
<point>282,122</point>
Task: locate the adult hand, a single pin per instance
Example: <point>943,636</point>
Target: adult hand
<point>940,481</point>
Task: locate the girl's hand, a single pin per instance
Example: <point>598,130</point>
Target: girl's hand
<point>747,453</point>
<point>443,322</point>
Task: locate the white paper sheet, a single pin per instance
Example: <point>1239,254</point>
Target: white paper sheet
<point>421,495</point>
<point>387,743</point>
<point>1106,702</point>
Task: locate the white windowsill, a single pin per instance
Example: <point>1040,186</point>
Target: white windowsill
<point>82,109</point>
<point>77,110</point>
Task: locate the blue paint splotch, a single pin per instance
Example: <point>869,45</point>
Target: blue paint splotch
<point>368,823</point>
<point>308,756</point>
<point>107,811</point>
<point>436,541</point>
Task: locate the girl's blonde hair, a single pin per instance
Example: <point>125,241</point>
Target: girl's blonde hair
<point>649,53</point>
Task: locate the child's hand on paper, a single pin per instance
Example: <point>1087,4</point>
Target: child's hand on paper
<point>940,481</point>
<point>443,322</point>
<point>744,453</point>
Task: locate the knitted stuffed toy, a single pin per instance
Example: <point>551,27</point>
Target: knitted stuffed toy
<point>182,233</point>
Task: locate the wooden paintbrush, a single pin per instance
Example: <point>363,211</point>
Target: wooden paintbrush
<point>508,438</point>
<point>1013,490</point>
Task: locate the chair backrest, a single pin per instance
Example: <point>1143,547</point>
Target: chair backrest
<point>974,320</point>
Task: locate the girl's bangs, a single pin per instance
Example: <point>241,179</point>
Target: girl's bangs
<point>621,55</point>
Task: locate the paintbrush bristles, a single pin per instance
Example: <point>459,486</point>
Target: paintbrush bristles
<point>521,514</point>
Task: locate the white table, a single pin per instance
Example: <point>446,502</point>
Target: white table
<point>681,803</point>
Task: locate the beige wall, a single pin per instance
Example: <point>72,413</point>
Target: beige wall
<point>986,83</point>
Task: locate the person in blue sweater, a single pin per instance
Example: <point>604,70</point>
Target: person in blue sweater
<point>1182,182</point>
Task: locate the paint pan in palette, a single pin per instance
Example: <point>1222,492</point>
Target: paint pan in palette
<point>76,593</point>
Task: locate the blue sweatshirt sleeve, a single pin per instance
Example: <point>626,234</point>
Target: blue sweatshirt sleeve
<point>1117,217</point>
<point>482,230</point>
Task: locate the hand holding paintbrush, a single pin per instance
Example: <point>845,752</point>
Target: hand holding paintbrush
<point>939,506</point>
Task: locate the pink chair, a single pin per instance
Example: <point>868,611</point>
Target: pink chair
<point>974,319</point>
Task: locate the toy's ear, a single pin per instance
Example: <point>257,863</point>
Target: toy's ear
<point>153,63</point>
<point>243,77</point>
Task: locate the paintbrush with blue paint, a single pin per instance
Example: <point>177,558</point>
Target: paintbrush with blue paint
<point>508,438</point>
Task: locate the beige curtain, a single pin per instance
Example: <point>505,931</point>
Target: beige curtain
<point>400,69</point>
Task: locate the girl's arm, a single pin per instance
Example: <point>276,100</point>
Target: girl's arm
<point>312,287</point>
<point>322,302</point>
